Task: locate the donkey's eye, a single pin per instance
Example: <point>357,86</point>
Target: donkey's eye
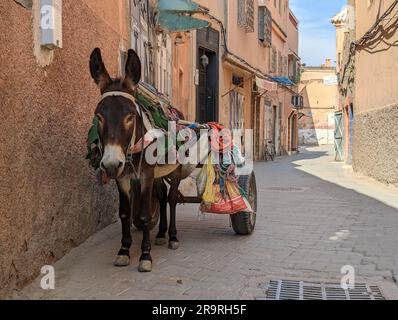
<point>129,118</point>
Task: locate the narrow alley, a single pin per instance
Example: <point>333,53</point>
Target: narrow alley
<point>314,217</point>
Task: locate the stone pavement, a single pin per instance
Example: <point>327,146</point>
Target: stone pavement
<point>314,218</point>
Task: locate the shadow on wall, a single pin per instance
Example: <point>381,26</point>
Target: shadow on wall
<point>383,36</point>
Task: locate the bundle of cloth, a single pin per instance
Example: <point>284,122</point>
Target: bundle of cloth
<point>217,183</point>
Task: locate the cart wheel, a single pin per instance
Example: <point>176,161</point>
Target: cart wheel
<point>244,223</point>
<point>154,219</point>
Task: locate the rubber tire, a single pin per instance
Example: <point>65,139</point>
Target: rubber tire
<point>244,223</point>
<point>155,217</point>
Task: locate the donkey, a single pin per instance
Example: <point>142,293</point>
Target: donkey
<point>120,127</point>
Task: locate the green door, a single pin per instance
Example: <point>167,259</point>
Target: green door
<point>339,136</point>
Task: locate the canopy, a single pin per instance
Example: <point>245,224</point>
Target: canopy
<point>283,80</point>
<point>175,15</point>
<point>177,5</point>
<point>266,85</point>
<point>175,22</point>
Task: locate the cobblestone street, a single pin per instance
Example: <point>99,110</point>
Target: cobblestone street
<point>314,217</point>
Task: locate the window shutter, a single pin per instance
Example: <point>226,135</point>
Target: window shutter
<point>246,15</point>
<point>261,24</point>
<point>268,27</point>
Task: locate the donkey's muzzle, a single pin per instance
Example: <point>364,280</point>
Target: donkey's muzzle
<point>112,170</point>
<point>113,161</point>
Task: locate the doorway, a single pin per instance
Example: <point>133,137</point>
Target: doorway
<point>207,89</point>
<point>208,71</point>
<point>276,128</point>
<point>350,111</point>
<point>339,136</point>
<point>293,133</point>
<point>258,148</point>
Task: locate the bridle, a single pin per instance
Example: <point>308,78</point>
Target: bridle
<point>129,153</point>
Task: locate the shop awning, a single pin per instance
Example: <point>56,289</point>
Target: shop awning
<point>177,6</point>
<point>176,15</point>
<point>283,81</point>
<point>266,85</point>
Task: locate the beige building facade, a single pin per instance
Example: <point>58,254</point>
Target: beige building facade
<point>247,97</point>
<point>319,89</point>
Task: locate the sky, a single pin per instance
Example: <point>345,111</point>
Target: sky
<point>317,34</point>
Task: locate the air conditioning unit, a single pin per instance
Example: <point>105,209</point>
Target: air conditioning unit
<point>298,102</point>
<point>51,23</point>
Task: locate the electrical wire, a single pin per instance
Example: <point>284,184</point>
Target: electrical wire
<point>368,36</point>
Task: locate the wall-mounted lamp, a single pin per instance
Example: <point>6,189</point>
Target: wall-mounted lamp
<point>179,40</point>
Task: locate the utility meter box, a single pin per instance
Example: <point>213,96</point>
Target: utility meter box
<point>51,23</point>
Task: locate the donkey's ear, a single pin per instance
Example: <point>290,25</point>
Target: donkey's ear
<point>133,70</point>
<point>98,70</point>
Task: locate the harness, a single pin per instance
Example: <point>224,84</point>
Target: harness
<point>133,147</point>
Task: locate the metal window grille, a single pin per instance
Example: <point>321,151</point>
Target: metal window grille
<point>237,102</point>
<point>246,15</point>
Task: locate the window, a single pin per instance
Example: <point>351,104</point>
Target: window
<point>246,15</point>
<point>265,26</point>
<point>237,103</point>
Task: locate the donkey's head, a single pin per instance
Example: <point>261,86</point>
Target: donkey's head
<point>117,114</point>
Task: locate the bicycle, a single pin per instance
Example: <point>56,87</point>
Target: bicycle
<point>270,152</point>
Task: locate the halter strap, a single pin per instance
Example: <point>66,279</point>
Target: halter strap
<point>119,94</point>
<point>147,124</point>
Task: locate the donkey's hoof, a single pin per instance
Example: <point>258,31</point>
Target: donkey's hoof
<point>122,261</point>
<point>174,245</point>
<point>160,241</point>
<point>145,266</point>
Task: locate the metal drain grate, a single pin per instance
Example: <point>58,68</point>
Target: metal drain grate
<point>300,290</point>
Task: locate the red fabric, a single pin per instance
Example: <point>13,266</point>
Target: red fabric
<point>220,144</point>
<point>230,204</point>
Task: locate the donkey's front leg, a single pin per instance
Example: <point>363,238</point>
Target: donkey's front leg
<point>161,193</point>
<point>145,216</point>
<point>174,244</point>
<point>123,257</point>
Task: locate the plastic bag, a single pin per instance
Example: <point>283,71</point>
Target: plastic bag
<point>230,203</point>
<point>209,196</point>
<point>201,181</point>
